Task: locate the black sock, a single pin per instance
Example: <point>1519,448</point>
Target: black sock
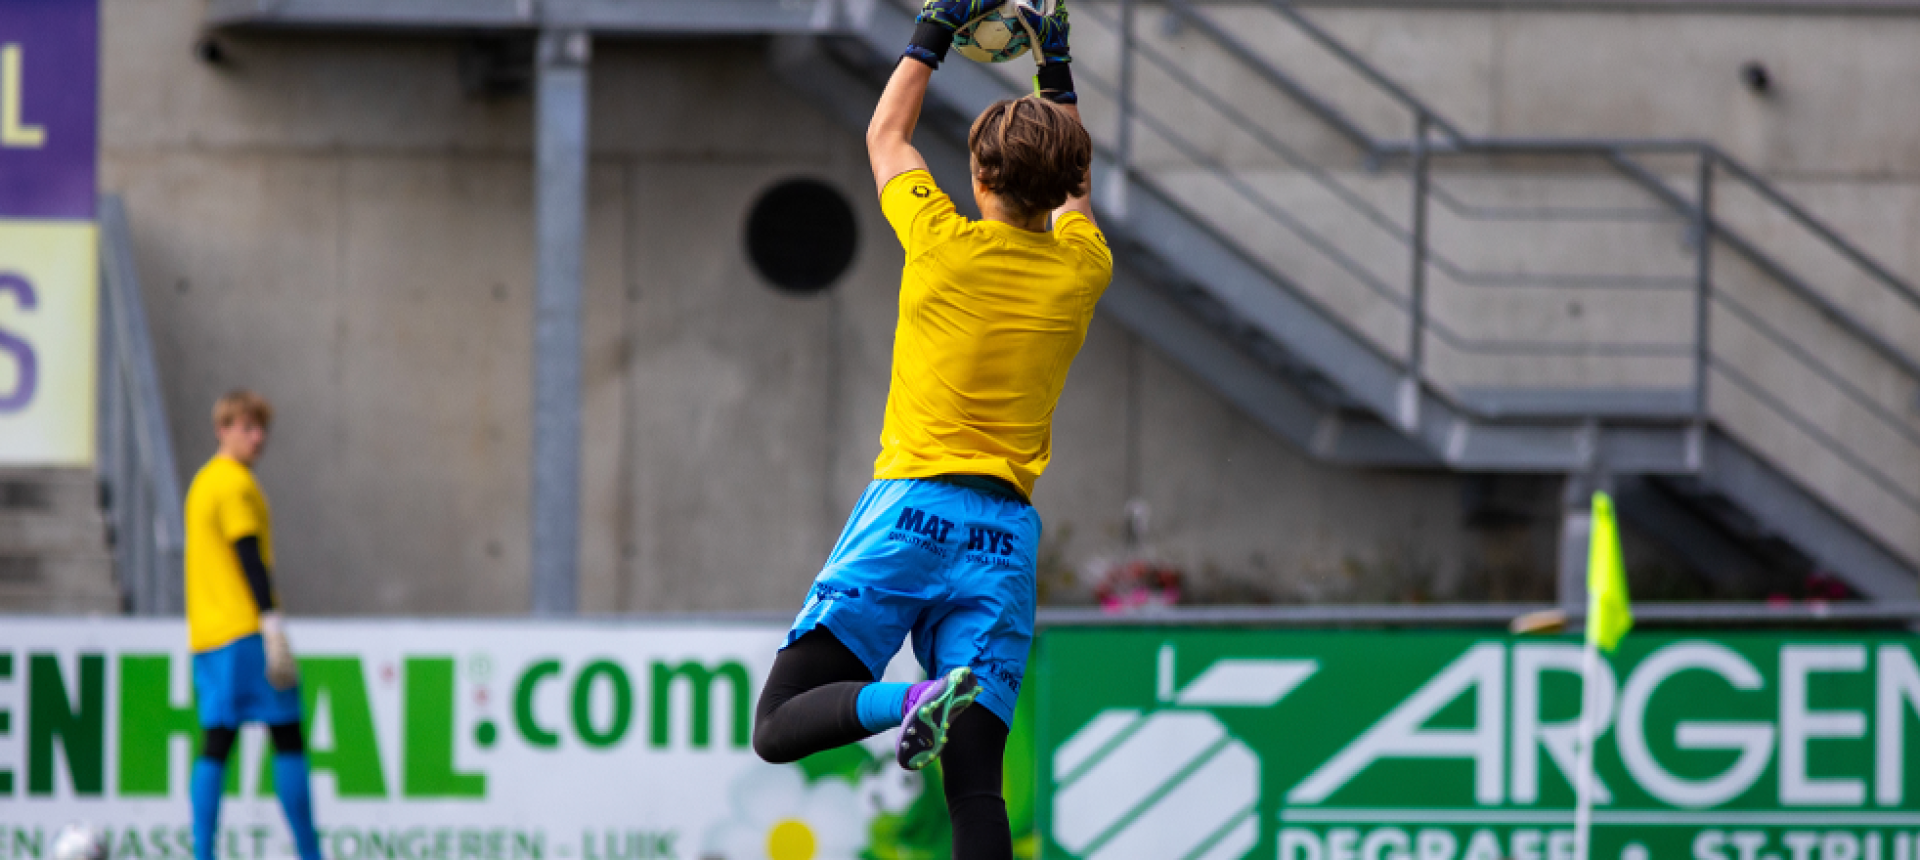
<point>971,766</point>
<point>810,701</point>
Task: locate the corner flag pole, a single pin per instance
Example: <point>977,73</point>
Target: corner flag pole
<point>1608,619</point>
<point>1583,785</point>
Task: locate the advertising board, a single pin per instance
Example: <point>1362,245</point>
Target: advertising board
<point>49,129</point>
<point>1381,745</point>
<point>451,741</point>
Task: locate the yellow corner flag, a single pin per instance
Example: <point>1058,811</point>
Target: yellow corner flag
<point>1608,616</point>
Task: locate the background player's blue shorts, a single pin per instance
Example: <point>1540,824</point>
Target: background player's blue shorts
<point>231,684</point>
<point>952,565</point>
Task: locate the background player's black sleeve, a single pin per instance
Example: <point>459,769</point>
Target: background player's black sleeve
<point>256,570</point>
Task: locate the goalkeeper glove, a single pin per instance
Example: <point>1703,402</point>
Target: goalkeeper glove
<point>282,673</point>
<point>1049,32</point>
<point>933,28</point>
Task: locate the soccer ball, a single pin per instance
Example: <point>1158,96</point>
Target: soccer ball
<point>80,842</point>
<point>995,37</point>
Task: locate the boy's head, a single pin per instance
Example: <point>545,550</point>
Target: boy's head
<point>240,421</point>
<point>1030,155</point>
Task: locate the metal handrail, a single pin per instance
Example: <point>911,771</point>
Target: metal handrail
<point>1454,271</point>
<point>1441,332</point>
<point>1774,269</point>
<point>1819,228</point>
<point>136,447</point>
<point>1365,69</point>
<point>1481,212</point>
<point>1621,154</point>
<point>1325,248</point>
<point>1616,150</point>
<point>1818,434</point>
<point>1282,81</point>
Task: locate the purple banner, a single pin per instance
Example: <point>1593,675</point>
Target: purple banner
<point>49,108</point>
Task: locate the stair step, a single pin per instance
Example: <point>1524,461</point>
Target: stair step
<point>55,491</point>
<point>40,533</point>
<point>58,583</point>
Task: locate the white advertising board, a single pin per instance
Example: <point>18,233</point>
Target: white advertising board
<point>431,740</point>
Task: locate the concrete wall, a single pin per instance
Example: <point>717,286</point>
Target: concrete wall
<point>331,221</point>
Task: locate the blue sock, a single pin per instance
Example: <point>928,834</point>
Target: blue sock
<point>882,705</point>
<point>296,800</point>
<point>209,779</point>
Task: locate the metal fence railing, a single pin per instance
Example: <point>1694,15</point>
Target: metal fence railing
<point>136,462</point>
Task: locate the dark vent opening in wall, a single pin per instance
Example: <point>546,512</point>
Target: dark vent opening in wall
<point>801,236</point>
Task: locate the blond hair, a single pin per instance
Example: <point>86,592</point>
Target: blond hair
<point>241,403</point>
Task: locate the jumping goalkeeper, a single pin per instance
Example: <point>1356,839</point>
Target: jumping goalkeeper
<point>942,545</point>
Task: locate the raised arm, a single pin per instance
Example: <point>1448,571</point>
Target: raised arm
<point>1083,203</point>
<point>1054,82</point>
<point>890,135</point>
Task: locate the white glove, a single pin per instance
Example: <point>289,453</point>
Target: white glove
<point>282,673</point>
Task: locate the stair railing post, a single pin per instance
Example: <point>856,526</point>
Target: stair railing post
<point>1416,282</point>
<point>103,387</point>
<point>1703,284</point>
<point>126,487</point>
<point>113,449</point>
<point>140,517</point>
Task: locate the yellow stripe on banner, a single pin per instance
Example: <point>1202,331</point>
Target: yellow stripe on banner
<point>49,324</point>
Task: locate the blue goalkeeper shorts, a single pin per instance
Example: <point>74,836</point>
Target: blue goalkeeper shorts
<point>231,684</point>
<point>949,564</point>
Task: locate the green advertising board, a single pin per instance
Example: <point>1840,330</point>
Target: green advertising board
<point>1381,745</point>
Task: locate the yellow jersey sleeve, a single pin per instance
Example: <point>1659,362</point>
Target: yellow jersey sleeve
<point>922,215</point>
<point>1078,231</point>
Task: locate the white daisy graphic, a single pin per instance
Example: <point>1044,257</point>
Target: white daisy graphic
<point>776,815</point>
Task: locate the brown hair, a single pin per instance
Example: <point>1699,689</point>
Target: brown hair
<point>1031,153</point>
<point>241,403</point>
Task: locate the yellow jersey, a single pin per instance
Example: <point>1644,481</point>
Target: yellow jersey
<point>991,317</point>
<point>224,504</point>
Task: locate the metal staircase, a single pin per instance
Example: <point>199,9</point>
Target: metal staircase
<point>1384,289</point>
<point>105,539</point>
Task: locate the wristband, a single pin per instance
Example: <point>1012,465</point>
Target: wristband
<point>1055,84</point>
<point>930,42</point>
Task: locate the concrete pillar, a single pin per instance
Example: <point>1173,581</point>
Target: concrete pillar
<point>1576,527</point>
<point>560,226</point>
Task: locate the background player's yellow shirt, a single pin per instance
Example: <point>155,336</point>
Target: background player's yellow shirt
<point>223,505</point>
<point>991,317</point>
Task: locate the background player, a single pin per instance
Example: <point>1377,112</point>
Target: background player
<point>243,670</point>
<point>942,545</point>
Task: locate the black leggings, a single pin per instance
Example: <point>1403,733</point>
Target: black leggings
<point>809,706</point>
<point>217,742</point>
